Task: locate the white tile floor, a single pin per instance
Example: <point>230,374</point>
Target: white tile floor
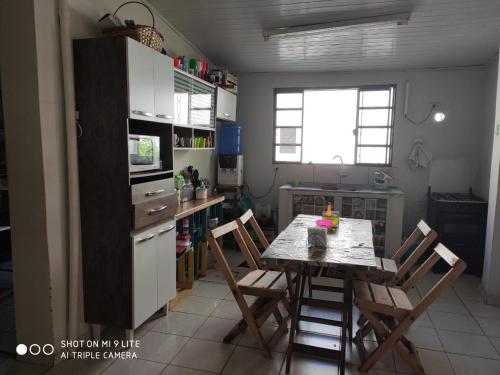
<point>458,336</point>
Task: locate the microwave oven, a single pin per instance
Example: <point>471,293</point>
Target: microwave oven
<point>144,153</point>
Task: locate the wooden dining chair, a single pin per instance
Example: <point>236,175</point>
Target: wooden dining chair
<point>393,270</point>
<point>390,313</point>
<point>270,288</point>
<point>248,219</point>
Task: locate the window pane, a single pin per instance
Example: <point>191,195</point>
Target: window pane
<point>201,101</point>
<point>287,153</point>
<point>372,155</point>
<point>289,118</point>
<point>200,117</point>
<point>374,117</point>
<point>289,100</point>
<point>373,136</point>
<point>374,98</point>
<point>329,121</point>
<point>181,108</point>
<point>288,135</point>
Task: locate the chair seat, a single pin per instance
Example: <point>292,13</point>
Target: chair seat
<point>386,265</point>
<point>257,281</point>
<point>383,299</point>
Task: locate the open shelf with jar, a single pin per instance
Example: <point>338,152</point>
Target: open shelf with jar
<point>193,138</point>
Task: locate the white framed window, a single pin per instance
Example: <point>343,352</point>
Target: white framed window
<point>313,125</point>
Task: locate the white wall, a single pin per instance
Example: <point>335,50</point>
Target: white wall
<point>31,84</point>
<point>490,87</point>
<point>459,91</point>
<point>491,276</point>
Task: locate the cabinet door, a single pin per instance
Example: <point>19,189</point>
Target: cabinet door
<point>202,105</point>
<point>140,80</point>
<point>183,87</point>
<point>163,88</point>
<point>166,263</point>
<point>144,277</point>
<point>226,105</point>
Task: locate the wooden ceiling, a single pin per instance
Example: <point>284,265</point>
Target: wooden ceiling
<point>440,33</point>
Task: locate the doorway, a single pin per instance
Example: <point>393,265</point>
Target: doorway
<point>8,340</point>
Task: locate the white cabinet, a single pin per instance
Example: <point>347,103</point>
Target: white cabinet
<point>145,281</point>
<point>150,83</point>
<point>163,88</point>
<point>166,264</point>
<point>226,105</point>
<point>194,101</point>
<point>153,270</point>
<point>140,81</point>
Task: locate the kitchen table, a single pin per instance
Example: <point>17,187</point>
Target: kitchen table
<point>349,249</point>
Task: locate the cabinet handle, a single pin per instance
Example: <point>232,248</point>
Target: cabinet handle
<point>226,114</point>
<point>142,113</point>
<point>147,238</point>
<point>165,116</point>
<point>156,192</point>
<point>156,210</point>
<point>166,230</point>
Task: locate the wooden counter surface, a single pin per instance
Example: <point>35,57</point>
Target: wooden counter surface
<point>190,207</point>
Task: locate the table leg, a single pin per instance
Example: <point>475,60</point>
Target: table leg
<point>307,271</point>
<point>295,310</point>
<point>348,301</point>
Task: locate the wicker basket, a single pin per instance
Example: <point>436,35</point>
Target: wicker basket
<point>144,34</point>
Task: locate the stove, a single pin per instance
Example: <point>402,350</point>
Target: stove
<point>460,221</point>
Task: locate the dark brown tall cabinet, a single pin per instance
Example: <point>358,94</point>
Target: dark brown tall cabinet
<point>128,232</point>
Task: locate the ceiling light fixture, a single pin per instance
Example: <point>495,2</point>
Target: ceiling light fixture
<point>401,18</point>
<point>439,116</point>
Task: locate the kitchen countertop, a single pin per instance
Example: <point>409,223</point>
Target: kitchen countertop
<point>190,207</point>
<point>344,189</point>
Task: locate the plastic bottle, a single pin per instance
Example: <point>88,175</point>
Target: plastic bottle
<point>329,209</point>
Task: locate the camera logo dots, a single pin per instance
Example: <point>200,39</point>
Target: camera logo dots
<point>35,349</point>
<point>21,349</point>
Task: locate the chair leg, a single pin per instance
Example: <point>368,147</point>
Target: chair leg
<point>249,317</point>
<point>410,358</point>
<point>277,315</point>
<point>361,320</point>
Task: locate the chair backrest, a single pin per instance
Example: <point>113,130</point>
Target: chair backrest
<point>212,236</point>
<point>457,266</point>
<point>429,236</point>
<point>248,217</point>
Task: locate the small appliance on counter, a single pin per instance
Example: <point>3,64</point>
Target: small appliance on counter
<point>230,170</point>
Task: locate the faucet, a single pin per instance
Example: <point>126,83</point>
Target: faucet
<point>341,167</point>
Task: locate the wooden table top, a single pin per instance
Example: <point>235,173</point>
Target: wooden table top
<point>190,207</point>
<point>350,246</point>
